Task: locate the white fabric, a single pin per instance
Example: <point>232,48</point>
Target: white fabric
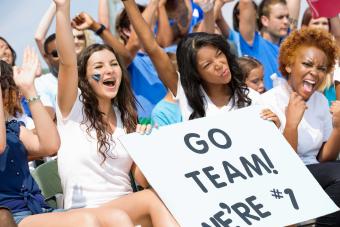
<point>47,86</point>
<point>210,108</point>
<point>315,126</point>
<point>87,181</point>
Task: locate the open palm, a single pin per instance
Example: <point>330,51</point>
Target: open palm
<point>24,76</point>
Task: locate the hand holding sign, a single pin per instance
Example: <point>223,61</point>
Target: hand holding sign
<point>228,178</point>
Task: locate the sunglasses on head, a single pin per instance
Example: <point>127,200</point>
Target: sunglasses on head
<point>54,53</point>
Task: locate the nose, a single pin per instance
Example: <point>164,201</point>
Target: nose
<point>108,69</point>
<point>218,65</point>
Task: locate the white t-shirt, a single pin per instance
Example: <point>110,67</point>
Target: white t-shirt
<point>47,86</point>
<point>315,126</point>
<point>210,108</point>
<point>87,181</point>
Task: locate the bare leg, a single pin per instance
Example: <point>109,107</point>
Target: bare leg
<point>6,218</point>
<point>109,217</point>
<point>65,219</point>
<point>80,218</point>
<point>144,207</point>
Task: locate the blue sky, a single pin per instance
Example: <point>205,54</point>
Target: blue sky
<point>20,18</point>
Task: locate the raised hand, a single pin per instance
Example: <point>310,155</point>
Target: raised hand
<point>295,110</point>
<point>82,21</point>
<point>24,76</point>
<point>335,110</point>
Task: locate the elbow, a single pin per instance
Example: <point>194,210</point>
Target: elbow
<point>52,147</point>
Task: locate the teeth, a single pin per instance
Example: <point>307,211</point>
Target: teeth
<point>310,81</point>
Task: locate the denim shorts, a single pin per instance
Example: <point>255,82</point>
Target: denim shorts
<point>19,216</point>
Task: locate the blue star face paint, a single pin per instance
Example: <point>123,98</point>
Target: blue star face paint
<point>96,77</point>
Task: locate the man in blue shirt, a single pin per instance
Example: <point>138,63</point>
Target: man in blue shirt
<point>273,24</point>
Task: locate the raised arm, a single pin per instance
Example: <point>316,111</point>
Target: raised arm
<point>104,13</point>
<point>68,74</point>
<point>160,59</point>
<point>294,11</point>
<point>208,23</point>
<point>165,35</point>
<point>330,150</point>
<point>84,21</point>
<point>46,141</point>
<point>42,29</point>
<point>219,19</point>
<point>335,28</point>
<point>2,126</point>
<point>247,20</point>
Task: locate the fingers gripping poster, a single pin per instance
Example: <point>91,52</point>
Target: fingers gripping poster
<point>231,170</point>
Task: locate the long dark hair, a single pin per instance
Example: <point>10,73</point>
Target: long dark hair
<point>190,78</point>
<point>125,100</point>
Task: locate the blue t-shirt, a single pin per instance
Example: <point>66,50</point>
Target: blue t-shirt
<point>166,113</point>
<point>266,52</point>
<point>330,94</point>
<point>145,83</point>
<point>18,190</point>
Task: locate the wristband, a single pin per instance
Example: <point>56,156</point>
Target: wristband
<point>33,99</point>
<point>100,30</point>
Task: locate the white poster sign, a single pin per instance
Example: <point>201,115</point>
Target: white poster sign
<point>231,170</point>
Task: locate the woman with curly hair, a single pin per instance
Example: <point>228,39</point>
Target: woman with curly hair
<point>95,106</point>
<point>310,126</point>
<point>209,81</point>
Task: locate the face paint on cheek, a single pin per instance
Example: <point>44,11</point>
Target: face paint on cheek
<point>96,77</point>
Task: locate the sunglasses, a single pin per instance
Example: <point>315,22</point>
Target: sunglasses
<point>80,37</point>
<point>54,53</point>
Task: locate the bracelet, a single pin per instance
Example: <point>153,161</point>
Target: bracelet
<point>33,99</point>
<point>100,30</point>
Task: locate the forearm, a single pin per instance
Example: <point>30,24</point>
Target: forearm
<point>45,128</point>
<point>331,148</point>
<point>293,10</point>
<point>144,33</point>
<point>65,42</point>
<point>2,126</point>
<point>291,135</point>
<point>68,73</point>
<point>43,27</point>
<point>247,25</point>
<point>223,25</point>
<point>165,35</point>
<point>104,13</point>
<point>208,23</point>
<point>335,28</point>
<point>112,41</point>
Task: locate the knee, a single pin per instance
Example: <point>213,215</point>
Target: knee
<point>6,218</point>
<point>120,218</point>
<point>88,220</point>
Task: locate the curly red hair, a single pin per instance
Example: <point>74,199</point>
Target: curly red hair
<point>307,37</point>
